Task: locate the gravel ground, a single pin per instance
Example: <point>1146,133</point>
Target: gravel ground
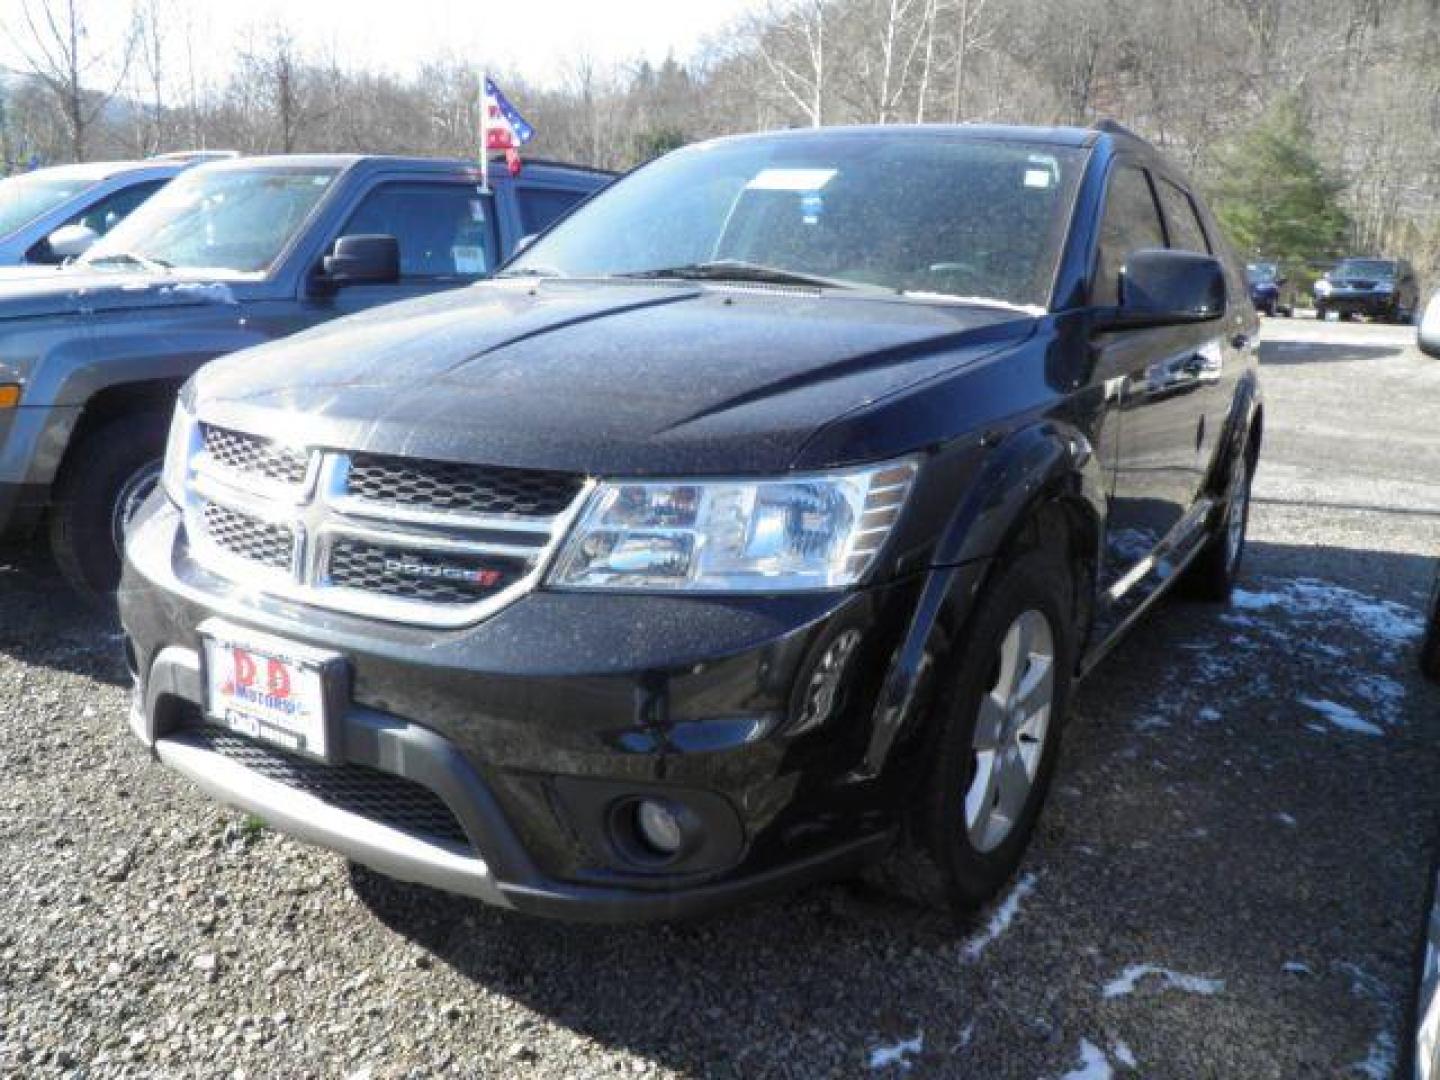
<point>1228,881</point>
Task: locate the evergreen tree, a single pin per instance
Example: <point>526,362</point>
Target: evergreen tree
<point>1272,194</point>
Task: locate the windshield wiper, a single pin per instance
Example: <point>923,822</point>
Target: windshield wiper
<point>739,270</point>
<point>145,262</point>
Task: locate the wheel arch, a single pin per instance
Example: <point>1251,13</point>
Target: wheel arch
<point>1043,485</point>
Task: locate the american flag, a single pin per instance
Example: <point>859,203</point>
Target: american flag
<point>502,127</point>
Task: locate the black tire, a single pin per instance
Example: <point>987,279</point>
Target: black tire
<point>1430,646</point>
<point>98,472</point>
<point>1213,574</point>
<point>939,863</point>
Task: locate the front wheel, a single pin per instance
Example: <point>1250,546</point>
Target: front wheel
<point>106,478</point>
<point>997,721</point>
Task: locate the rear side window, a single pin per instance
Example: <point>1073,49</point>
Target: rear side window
<point>542,207</point>
<point>1186,232</point>
<point>1131,223</point>
<point>115,207</point>
<point>444,230</point>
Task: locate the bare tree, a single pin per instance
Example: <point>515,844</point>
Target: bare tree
<point>58,48</point>
<point>790,40</point>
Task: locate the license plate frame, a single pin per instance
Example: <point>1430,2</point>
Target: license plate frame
<point>315,683</point>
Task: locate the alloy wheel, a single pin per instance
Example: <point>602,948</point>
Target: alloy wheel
<point>1010,731</point>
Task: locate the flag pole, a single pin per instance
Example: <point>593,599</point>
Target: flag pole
<point>484,134</point>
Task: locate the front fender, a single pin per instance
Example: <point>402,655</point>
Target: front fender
<point>1047,462</point>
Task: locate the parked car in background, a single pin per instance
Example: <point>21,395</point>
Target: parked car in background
<point>1382,289</point>
<point>50,215</point>
<point>756,520</point>
<point>231,254</point>
<point>1266,283</point>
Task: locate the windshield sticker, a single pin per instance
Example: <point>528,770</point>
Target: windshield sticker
<point>1037,178</point>
<point>791,179</point>
<point>477,210</point>
<point>812,204</point>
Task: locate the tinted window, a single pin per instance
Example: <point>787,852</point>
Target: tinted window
<point>1132,223</point>
<point>1364,268</point>
<point>934,216</point>
<point>542,207</point>
<point>115,207</point>
<point>1186,232</point>
<point>443,229</point>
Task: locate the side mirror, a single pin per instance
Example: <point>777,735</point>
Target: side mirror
<point>1430,328</point>
<point>364,260</point>
<point>70,241</point>
<point>524,242</point>
<point>1160,287</point>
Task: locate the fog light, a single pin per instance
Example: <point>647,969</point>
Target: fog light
<point>659,828</point>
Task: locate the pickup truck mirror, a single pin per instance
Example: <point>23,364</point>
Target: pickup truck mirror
<point>1430,328</point>
<point>69,241</point>
<point>1164,288</point>
<point>364,260</point>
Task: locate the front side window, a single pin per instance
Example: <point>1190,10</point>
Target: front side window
<point>25,198</point>
<point>108,212</point>
<point>1131,223</point>
<point>226,220</point>
<point>542,207</point>
<point>443,229</point>
<point>934,217</point>
<point>1186,232</point>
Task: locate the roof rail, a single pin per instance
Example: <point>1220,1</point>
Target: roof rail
<point>1112,127</point>
<point>556,164</point>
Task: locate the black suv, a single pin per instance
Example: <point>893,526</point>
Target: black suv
<point>751,527</point>
<point>1382,289</point>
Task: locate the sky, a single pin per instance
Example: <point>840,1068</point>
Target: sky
<point>531,36</point>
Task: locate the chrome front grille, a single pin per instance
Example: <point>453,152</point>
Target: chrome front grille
<point>252,456</point>
<point>472,489</point>
<point>409,540</point>
<point>249,538</point>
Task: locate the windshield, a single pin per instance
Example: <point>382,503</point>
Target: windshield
<point>1364,268</point>
<point>1261,273</point>
<point>25,198</point>
<point>237,220</point>
<point>938,216</point>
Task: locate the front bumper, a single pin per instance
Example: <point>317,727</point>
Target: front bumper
<point>1374,305</point>
<point>530,726</point>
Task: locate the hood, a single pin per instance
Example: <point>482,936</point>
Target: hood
<point>605,378</point>
<point>34,292</point>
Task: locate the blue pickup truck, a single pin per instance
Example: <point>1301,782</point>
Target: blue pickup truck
<point>228,255</point>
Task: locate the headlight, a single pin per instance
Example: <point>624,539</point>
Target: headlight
<point>1322,287</point>
<point>805,532</point>
<point>180,450</point>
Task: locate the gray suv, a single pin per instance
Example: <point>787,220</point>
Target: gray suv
<point>231,254</point>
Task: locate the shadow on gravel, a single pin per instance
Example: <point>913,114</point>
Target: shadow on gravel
<point>1246,795</point>
<point>43,623</point>
<point>1280,353</point>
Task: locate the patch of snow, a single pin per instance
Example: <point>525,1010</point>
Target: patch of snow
<point>1209,714</point>
<point>1342,716</point>
<point>1000,920</point>
<point>1150,723</point>
<point>1094,1065</point>
<point>1124,1055</point>
<point>1380,1060</point>
<point>215,292</point>
<point>1286,819</point>
<point>1317,729</point>
<point>1130,978</point>
<point>882,1057</point>
<point>1295,967</point>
